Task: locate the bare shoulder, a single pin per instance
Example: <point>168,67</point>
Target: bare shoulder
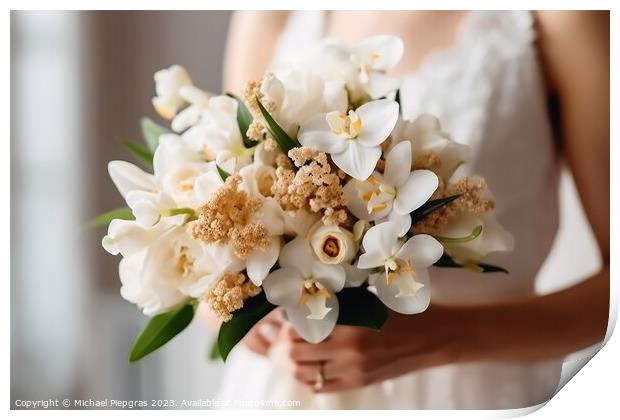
<point>572,42</point>
<point>252,37</point>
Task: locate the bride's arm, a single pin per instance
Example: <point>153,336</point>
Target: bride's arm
<point>252,38</point>
<point>575,53</point>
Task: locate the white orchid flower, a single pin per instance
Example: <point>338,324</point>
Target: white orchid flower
<point>306,289</point>
<point>198,101</point>
<point>404,286</point>
<point>425,135</point>
<point>168,83</point>
<point>352,139</point>
<point>217,136</point>
<point>372,57</point>
<point>493,238</point>
<point>393,194</point>
<point>298,95</point>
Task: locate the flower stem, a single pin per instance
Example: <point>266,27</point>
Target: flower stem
<point>473,235</point>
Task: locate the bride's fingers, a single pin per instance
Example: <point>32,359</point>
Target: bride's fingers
<point>309,372</point>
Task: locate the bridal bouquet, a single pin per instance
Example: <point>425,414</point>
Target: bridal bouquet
<point>310,193</point>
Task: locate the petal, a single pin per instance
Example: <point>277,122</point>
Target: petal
<point>378,120</point>
<point>381,51</point>
<point>494,238</point>
<point>355,204</point>
<point>206,184</point>
<point>405,304</point>
<point>355,276</point>
<point>402,220</point>
<point>313,330</point>
<point>424,250</point>
<point>260,261</point>
<point>371,259</point>
<point>146,213</point>
<point>398,164</point>
<point>379,85</point>
<point>357,160</point>
<point>381,238</point>
<point>416,191</point>
<point>331,276</point>
<point>128,177</point>
<point>317,134</point>
<point>283,287</point>
<point>335,96</point>
<point>298,254</point>
<point>270,215</point>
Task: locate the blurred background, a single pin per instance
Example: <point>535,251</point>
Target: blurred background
<point>80,81</point>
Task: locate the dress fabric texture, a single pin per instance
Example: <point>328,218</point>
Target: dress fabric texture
<point>488,92</point>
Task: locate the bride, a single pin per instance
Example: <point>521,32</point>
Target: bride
<point>526,91</point>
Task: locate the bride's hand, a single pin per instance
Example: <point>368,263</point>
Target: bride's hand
<point>353,357</point>
<point>260,338</point>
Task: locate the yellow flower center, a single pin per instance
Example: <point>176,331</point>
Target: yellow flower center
<point>349,124</point>
<point>185,262</point>
<point>311,289</point>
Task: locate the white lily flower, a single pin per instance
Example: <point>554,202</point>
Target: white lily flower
<point>129,177</point>
<point>141,192</point>
<point>168,83</point>
<point>492,239</point>
<point>306,289</point>
<point>172,269</point>
<point>372,57</point>
<point>298,95</point>
<point>198,101</point>
<point>425,135</point>
<point>217,136</point>
<point>352,139</point>
<point>177,168</point>
<point>404,286</point>
<point>127,237</point>
<point>393,194</point>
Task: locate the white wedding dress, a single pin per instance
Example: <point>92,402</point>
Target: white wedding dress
<point>488,92</point>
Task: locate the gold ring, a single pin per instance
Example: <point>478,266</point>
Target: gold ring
<point>320,376</point>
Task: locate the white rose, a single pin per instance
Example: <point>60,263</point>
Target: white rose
<point>332,244</point>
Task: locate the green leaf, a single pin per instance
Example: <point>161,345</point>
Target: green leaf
<point>223,174</point>
<point>214,354</point>
<point>104,219</point>
<point>139,152</point>
<point>161,329</point>
<point>151,132</point>
<point>244,119</point>
<point>361,308</point>
<point>284,141</point>
<point>397,100</point>
<point>233,331</point>
<point>430,206</point>
<point>446,261</point>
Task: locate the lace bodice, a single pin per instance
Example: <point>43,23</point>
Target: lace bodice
<point>488,92</point>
